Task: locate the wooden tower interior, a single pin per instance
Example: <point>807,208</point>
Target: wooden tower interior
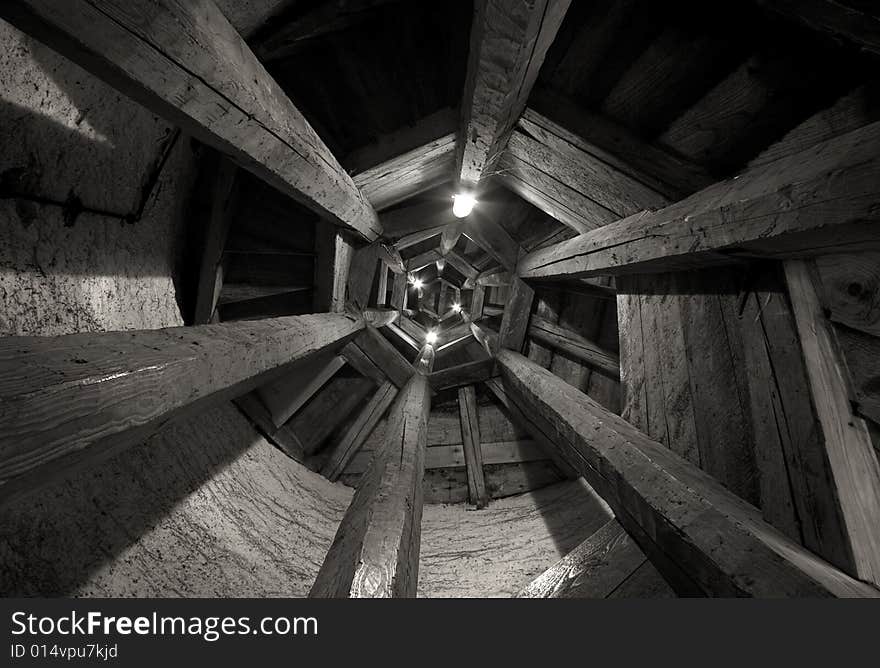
<point>250,348</point>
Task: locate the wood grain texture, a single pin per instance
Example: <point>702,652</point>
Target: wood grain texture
<point>717,540</point>
<point>509,39</point>
<point>517,312</point>
<point>789,206</point>
<point>375,553</point>
<point>847,441</point>
<point>462,375</point>
<point>472,446</point>
<point>596,568</point>
<point>385,356</point>
<point>185,62</point>
<point>285,396</point>
<point>354,436</point>
<point>571,343</point>
<point>88,395</point>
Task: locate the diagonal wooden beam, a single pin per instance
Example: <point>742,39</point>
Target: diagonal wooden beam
<point>473,451</point>
<point>489,235</point>
<point>509,39</point>
<point>409,174</point>
<point>462,374</point>
<point>573,344</point>
<point>594,569</point>
<point>700,536</point>
<point>462,266</point>
<point>385,356</point>
<point>286,395</point>
<point>375,553</point>
<point>73,399</point>
<point>815,201</point>
<point>418,237</point>
<point>354,436</point>
<point>847,442</point>
<point>186,63</point>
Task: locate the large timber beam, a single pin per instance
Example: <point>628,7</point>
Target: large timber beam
<point>472,446</point>
<point>186,63</point>
<point>703,538</point>
<point>509,39</point>
<point>71,399</point>
<point>573,344</point>
<point>822,199</point>
<point>515,321</point>
<point>375,553</point>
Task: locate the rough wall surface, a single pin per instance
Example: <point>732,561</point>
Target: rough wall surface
<point>496,551</point>
<point>92,191</point>
<point>204,508</point>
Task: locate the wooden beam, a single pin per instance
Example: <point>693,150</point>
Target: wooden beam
<point>285,396</point>
<point>287,441</point>
<point>418,237</point>
<point>462,266</point>
<point>854,24</point>
<point>462,374</point>
<point>375,553</point>
<point>351,441</point>
<point>583,286</point>
<point>329,410</point>
<point>515,321</point>
<point>847,440</point>
<point>78,398</point>
<point>358,360</point>
<point>450,236</point>
<point>218,219</point>
<point>409,174</point>
<point>594,569</point>
<point>473,453</point>
<point>385,356</point>
<point>422,260</point>
<point>403,140</point>
<point>382,295</point>
<point>664,172</point>
<point>700,536</point>
<point>489,235</point>
<point>573,344</point>
<point>332,266</point>
<point>413,329</point>
<point>407,219</point>
<point>815,201</point>
<point>494,278</point>
<point>187,64</point>
<point>477,302</point>
<point>398,292</point>
<point>509,39</point>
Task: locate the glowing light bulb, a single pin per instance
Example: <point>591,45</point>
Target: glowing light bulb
<point>456,308</point>
<point>441,262</point>
<point>417,283</point>
<point>431,337</point>
<point>462,205</point>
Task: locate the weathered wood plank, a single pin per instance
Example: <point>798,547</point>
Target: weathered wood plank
<point>359,361</point>
<point>418,237</point>
<point>328,410</point>
<point>851,289</point>
<point>385,356</point>
<point>573,344</point>
<point>473,451</point>
<point>251,405</point>
<point>679,515</point>
<point>814,201</point>
<point>594,569</point>
<point>186,63</point>
<point>517,311</point>
<point>375,553</point>
<point>462,374</point>
<point>847,441</point>
<point>489,235</point>
<point>334,253</point>
<point>74,399</point>
<point>509,39</point>
<point>285,396</point>
<point>351,441</point>
<point>478,299</point>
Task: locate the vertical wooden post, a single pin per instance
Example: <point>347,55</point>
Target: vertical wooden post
<point>375,553</point>
<point>515,322</point>
<point>473,453</point>
<point>398,292</point>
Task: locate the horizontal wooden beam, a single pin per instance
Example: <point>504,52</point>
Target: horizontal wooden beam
<point>821,199</point>
<point>509,39</point>
<point>694,530</point>
<point>463,374</point>
<point>418,237</point>
<point>186,63</point>
<point>76,398</point>
<point>573,344</point>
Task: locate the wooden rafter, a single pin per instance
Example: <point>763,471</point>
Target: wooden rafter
<point>509,39</point>
<point>187,63</point>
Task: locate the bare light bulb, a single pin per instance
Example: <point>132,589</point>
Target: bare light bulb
<point>462,205</point>
<point>441,263</point>
<point>431,337</point>
<point>417,283</point>
<point>456,308</point>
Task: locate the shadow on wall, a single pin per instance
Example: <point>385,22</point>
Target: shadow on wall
<point>204,508</point>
